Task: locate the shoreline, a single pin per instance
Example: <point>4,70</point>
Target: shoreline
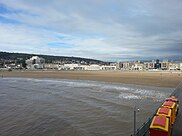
<point>147,78</point>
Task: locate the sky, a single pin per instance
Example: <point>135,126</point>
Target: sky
<point>108,30</point>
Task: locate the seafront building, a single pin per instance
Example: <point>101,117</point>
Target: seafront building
<point>86,67</point>
<point>149,65</point>
<point>35,63</point>
<point>51,66</point>
<point>164,65</point>
<point>39,63</point>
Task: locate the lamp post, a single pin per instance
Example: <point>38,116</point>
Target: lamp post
<point>134,127</point>
<point>134,122</point>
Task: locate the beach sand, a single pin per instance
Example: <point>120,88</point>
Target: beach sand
<point>159,79</point>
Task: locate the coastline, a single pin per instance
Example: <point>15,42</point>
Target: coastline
<point>147,78</point>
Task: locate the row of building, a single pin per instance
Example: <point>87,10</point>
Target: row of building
<point>39,63</point>
<point>157,65</point>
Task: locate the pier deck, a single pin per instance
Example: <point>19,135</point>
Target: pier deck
<point>177,128</point>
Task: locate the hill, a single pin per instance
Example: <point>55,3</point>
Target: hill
<point>16,57</point>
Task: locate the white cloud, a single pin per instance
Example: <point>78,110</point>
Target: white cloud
<point>103,30</point>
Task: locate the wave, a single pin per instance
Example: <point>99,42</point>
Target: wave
<point>129,96</point>
<point>144,94</point>
<point>123,91</point>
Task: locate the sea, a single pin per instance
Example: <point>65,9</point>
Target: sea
<point>57,107</point>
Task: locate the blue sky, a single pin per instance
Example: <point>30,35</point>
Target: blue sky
<point>109,30</point>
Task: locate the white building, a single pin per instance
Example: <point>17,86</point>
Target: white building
<point>51,66</point>
<point>108,67</point>
<point>174,66</point>
<point>93,67</point>
<point>180,65</point>
<point>68,67</point>
<point>149,65</point>
<point>35,63</point>
<point>164,65</point>
<point>138,66</point>
<point>126,65</point>
<point>86,67</point>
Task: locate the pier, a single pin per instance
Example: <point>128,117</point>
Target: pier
<point>176,129</point>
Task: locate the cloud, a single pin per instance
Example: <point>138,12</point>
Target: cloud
<point>105,29</point>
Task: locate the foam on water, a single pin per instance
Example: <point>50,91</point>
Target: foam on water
<point>124,91</point>
<point>144,94</point>
<point>129,96</point>
<point>116,87</point>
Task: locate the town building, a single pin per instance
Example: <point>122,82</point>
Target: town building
<point>126,65</point>
<point>165,65</point>
<point>35,63</point>
<point>174,66</point>
<point>93,67</point>
<point>51,66</point>
<point>180,65</point>
<point>108,67</point>
<point>39,63</point>
<point>138,66</point>
<point>149,65</point>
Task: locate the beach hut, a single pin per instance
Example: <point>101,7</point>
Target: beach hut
<point>171,105</point>
<point>160,126</point>
<point>166,112</point>
<point>174,99</point>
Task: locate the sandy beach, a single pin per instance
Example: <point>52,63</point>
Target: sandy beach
<point>159,79</point>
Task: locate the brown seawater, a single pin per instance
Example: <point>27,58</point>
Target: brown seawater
<point>49,107</point>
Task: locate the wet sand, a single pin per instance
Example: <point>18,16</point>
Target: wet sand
<point>159,79</point>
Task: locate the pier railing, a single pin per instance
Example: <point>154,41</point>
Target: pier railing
<point>144,129</point>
